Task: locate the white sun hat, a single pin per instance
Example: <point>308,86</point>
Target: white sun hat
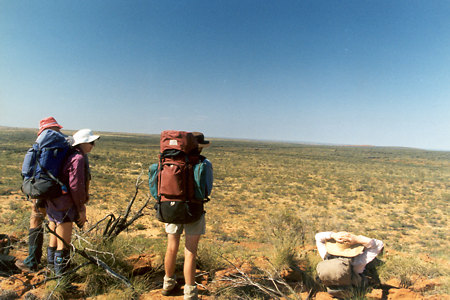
<point>84,136</point>
<point>343,249</point>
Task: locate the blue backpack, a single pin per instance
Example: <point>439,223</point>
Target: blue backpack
<point>43,164</point>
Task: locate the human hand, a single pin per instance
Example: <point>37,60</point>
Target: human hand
<point>81,219</point>
<point>351,239</point>
<point>344,237</point>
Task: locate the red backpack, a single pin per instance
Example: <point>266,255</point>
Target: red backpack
<point>176,202</point>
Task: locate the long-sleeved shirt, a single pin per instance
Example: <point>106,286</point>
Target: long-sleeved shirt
<point>209,176</point>
<point>75,174</point>
<point>372,247</point>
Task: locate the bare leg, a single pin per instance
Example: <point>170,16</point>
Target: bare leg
<point>173,242</point>
<point>190,254</point>
<point>37,216</point>
<point>64,230</point>
<point>52,241</point>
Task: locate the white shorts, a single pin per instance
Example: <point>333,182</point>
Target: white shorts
<point>195,228</point>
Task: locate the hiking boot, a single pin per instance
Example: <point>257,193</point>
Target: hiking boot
<point>190,292</point>
<point>35,243</point>
<point>25,267</point>
<point>51,258</point>
<point>62,261</point>
<point>169,285</point>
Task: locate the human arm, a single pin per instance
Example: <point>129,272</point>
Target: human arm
<point>209,176</point>
<point>77,182</point>
<point>321,238</point>
<point>372,247</point>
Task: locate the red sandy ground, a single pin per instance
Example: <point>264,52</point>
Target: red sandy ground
<point>21,283</point>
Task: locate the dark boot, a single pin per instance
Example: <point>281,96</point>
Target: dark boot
<point>51,257</point>
<point>62,261</point>
<point>35,243</point>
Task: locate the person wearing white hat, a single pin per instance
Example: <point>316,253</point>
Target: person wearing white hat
<point>70,207</point>
<point>362,248</point>
<point>84,136</point>
<point>345,257</point>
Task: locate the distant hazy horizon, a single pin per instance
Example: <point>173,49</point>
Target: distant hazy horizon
<point>244,139</point>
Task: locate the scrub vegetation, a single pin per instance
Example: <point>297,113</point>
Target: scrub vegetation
<point>268,201</point>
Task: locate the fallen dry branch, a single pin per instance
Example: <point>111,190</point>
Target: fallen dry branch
<point>242,279</point>
<point>92,259</point>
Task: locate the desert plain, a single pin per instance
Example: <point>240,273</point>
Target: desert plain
<point>268,201</point>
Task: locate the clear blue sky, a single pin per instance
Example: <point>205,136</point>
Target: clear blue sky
<point>344,72</point>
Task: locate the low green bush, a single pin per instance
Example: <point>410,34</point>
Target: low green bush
<point>285,232</point>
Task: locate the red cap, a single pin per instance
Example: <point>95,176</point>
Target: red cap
<point>48,123</point>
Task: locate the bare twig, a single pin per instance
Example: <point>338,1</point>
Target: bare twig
<point>269,283</point>
<point>92,259</point>
<point>111,216</point>
<point>243,280</point>
<point>116,225</point>
<point>136,191</point>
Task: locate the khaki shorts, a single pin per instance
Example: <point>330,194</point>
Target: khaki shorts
<point>198,227</point>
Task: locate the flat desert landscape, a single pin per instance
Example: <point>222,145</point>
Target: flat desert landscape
<point>268,201</point>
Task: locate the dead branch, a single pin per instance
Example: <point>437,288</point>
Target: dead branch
<point>242,280</point>
<point>116,225</point>
<point>92,259</point>
<point>275,277</point>
<point>112,218</point>
<point>136,191</point>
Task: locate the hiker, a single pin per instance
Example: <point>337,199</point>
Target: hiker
<point>193,232</point>
<point>345,257</point>
<point>38,211</point>
<point>70,207</point>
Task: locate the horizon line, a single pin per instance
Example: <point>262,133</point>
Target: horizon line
<point>262,140</point>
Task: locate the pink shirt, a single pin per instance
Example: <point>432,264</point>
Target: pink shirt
<point>372,248</point>
<point>75,176</point>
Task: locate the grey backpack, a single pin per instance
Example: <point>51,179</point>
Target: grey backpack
<point>335,271</point>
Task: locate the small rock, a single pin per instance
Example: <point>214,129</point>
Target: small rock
<point>375,294</point>
<point>403,294</point>
<point>394,282</point>
<point>323,296</point>
<point>142,263</point>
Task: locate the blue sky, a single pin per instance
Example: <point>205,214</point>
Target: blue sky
<point>343,72</point>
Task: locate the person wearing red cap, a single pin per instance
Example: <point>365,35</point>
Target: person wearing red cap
<point>38,212</point>
<point>48,123</point>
